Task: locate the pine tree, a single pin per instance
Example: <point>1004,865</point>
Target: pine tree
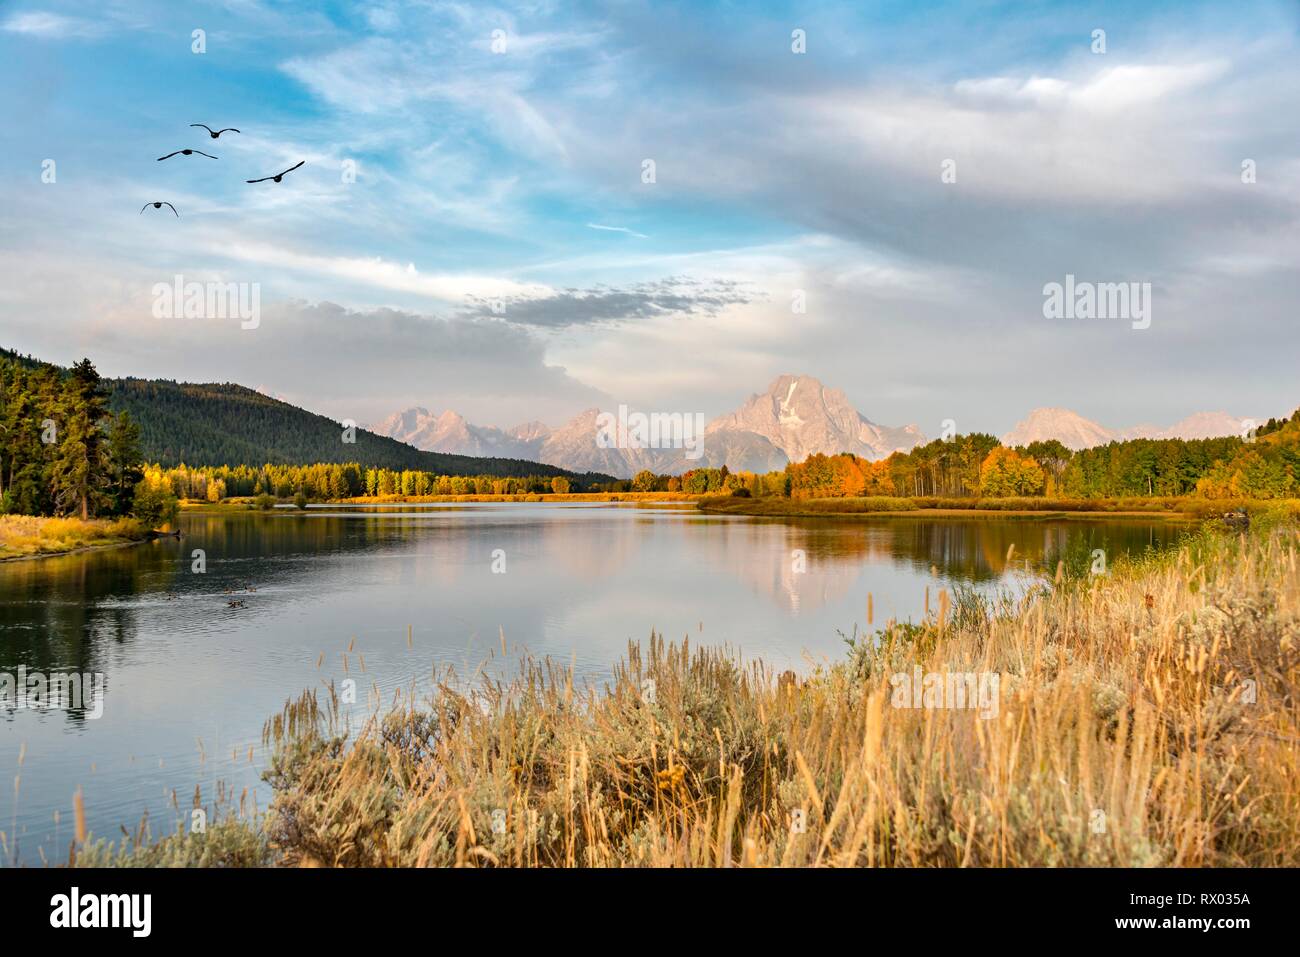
<point>80,466</point>
<point>124,463</point>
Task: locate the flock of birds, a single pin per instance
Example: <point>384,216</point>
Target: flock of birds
<point>213,134</point>
<point>246,587</point>
<point>238,602</point>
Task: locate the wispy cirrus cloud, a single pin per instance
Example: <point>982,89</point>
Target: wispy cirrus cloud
<point>42,23</point>
<point>617,229</point>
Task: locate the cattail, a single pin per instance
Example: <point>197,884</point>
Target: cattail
<point>79,811</point>
<point>871,610</point>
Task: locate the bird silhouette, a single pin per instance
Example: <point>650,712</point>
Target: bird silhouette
<point>185,153</point>
<point>278,176</point>
<point>160,205</point>
<point>215,133</point>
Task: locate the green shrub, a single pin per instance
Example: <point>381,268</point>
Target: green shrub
<point>154,505</point>
<point>228,843</point>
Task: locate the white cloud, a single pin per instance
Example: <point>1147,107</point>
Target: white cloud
<point>617,229</point>
<point>56,26</point>
<point>381,274</point>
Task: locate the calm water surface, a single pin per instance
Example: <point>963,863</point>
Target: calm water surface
<point>190,680</point>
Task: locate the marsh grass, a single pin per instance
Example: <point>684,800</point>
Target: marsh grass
<point>974,507</point>
<point>230,842</point>
<point>779,505</point>
<point>1147,717</point>
<point>24,535</point>
<point>231,835</point>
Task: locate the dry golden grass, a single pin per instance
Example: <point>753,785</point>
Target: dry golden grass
<point>1188,507</point>
<point>1146,718</point>
<point>22,536</point>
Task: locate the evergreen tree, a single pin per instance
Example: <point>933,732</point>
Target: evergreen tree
<point>79,470</point>
<point>124,463</point>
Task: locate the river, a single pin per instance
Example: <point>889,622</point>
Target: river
<point>196,651</point>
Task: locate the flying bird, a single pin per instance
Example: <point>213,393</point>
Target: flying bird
<point>215,133</point>
<point>277,177</point>
<point>160,205</point>
<point>186,153</point>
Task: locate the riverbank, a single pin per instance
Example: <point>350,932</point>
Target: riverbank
<point>1186,508</point>
<point>530,497</point>
<point>876,506</point>
<point>26,536</point>
<point>570,497</point>
<point>1144,717</point>
<point>1191,509</point>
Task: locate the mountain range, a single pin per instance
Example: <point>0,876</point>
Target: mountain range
<point>1075,432</point>
<point>795,417</point>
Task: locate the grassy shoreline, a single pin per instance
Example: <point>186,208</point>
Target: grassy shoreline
<point>1147,717</point>
<point>25,537</point>
<point>1190,509</point>
<point>245,503</point>
<point>1184,508</point>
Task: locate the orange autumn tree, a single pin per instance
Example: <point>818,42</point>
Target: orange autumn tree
<point>838,476</point>
<point>810,478</point>
<point>878,477</point>
<point>1006,472</point>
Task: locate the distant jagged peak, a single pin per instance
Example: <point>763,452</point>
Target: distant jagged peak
<point>796,416</point>
<point>1076,432</point>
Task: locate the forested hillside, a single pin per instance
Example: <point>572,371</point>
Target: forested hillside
<point>227,424</point>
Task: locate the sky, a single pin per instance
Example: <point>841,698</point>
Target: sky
<point>475,226</point>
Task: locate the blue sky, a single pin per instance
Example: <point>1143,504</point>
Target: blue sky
<point>514,176</point>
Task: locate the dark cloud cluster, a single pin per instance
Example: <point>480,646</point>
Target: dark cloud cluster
<point>606,305</point>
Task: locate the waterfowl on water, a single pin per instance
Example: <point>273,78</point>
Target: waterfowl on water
<point>1236,519</point>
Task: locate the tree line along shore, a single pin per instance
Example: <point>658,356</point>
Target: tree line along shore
<point>1262,466</point>
<point>65,455</point>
